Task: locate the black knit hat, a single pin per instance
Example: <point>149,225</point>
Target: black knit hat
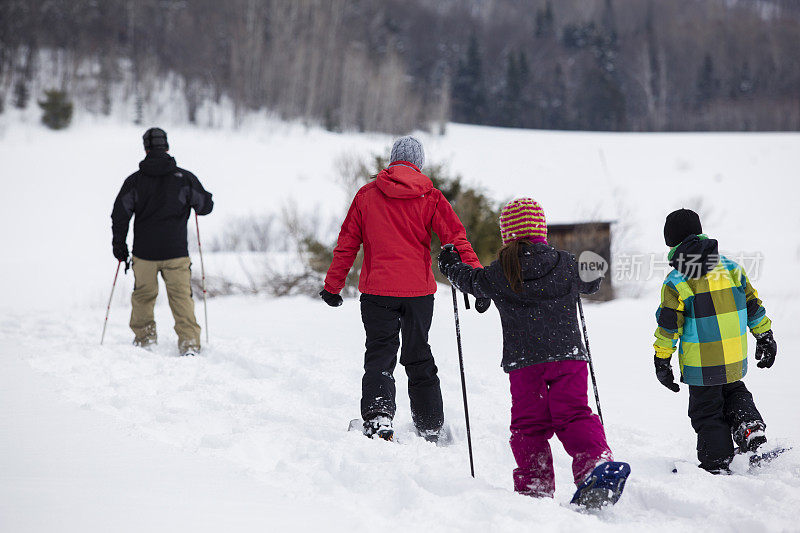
<point>155,139</point>
<point>680,224</point>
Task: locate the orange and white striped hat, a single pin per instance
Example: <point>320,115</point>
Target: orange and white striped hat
<point>523,218</point>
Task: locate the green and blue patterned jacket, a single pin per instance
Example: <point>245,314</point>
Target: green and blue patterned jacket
<point>707,302</point>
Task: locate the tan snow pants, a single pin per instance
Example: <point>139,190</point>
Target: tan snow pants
<point>176,274</point>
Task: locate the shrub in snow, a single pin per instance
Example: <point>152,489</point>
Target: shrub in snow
<point>57,110</point>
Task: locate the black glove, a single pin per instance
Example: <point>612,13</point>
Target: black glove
<point>482,304</point>
<point>448,257</point>
<point>334,300</point>
<point>121,251</point>
<point>766,349</point>
<point>664,373</point>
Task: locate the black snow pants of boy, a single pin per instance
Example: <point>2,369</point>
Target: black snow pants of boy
<point>717,411</point>
<point>385,319</point>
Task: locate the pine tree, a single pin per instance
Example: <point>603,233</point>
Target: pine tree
<point>744,82</point>
<point>707,82</point>
<point>511,96</point>
<point>554,103</point>
<point>469,92</point>
<point>57,109</point>
<point>601,104</point>
<point>544,22</point>
<point>21,94</point>
<point>526,107</point>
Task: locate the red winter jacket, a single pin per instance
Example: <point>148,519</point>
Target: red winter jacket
<point>392,217</point>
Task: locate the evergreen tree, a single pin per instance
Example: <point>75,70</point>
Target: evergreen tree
<point>57,110</point>
<point>21,94</point>
<point>601,103</point>
<point>524,68</point>
<point>707,82</point>
<point>526,107</point>
<point>609,24</point>
<point>545,24</point>
<point>743,82</point>
<point>469,92</point>
<point>553,103</point>
<point>652,46</point>
<point>512,93</point>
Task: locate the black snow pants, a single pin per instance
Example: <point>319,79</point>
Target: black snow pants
<point>717,411</point>
<point>385,319</point>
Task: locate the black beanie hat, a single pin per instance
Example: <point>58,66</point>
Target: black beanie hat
<point>155,139</point>
<point>679,225</point>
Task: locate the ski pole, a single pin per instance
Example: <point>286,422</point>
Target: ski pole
<point>589,354</point>
<point>108,308</point>
<point>202,273</point>
<point>461,366</point>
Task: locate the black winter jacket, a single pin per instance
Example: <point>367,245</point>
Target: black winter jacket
<point>161,195</point>
<point>540,324</point>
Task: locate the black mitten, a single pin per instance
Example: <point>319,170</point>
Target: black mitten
<point>121,251</point>
<point>448,257</point>
<point>334,300</point>
<point>482,304</point>
<point>766,349</point>
<point>664,373</point>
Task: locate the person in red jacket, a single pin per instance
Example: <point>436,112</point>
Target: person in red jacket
<point>392,217</point>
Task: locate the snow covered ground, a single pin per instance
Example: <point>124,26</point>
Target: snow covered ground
<point>251,434</point>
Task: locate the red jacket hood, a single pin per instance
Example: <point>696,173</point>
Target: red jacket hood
<point>403,180</point>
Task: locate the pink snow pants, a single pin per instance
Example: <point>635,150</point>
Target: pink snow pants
<point>551,399</point>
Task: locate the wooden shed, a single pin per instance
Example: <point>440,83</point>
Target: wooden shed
<point>583,236</point>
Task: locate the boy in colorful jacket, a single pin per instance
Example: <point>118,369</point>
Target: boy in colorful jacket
<point>707,302</point>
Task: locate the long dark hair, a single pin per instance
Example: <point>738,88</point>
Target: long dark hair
<point>508,256</point>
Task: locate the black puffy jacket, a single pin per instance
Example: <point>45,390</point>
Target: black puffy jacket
<point>540,324</point>
<point>161,195</point>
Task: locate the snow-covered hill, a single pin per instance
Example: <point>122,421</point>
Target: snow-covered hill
<point>251,434</point>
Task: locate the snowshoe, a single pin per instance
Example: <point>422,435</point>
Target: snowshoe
<point>146,338</point>
<point>760,459</point>
<point>603,486</point>
<point>145,342</point>
<point>440,437</point>
<point>376,427</point>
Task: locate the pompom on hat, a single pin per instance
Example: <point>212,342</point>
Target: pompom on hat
<point>523,218</point>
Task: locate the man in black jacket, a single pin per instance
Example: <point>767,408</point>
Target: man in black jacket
<point>161,195</point>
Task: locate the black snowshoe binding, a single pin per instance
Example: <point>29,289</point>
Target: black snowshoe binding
<point>379,427</point>
<point>749,436</point>
<point>603,486</point>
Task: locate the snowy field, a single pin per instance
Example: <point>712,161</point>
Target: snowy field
<point>251,434</point>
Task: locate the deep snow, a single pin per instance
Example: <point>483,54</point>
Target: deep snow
<point>252,433</point>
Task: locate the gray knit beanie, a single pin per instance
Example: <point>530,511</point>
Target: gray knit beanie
<point>409,149</point>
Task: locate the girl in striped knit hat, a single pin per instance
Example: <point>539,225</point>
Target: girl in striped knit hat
<point>536,289</point>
